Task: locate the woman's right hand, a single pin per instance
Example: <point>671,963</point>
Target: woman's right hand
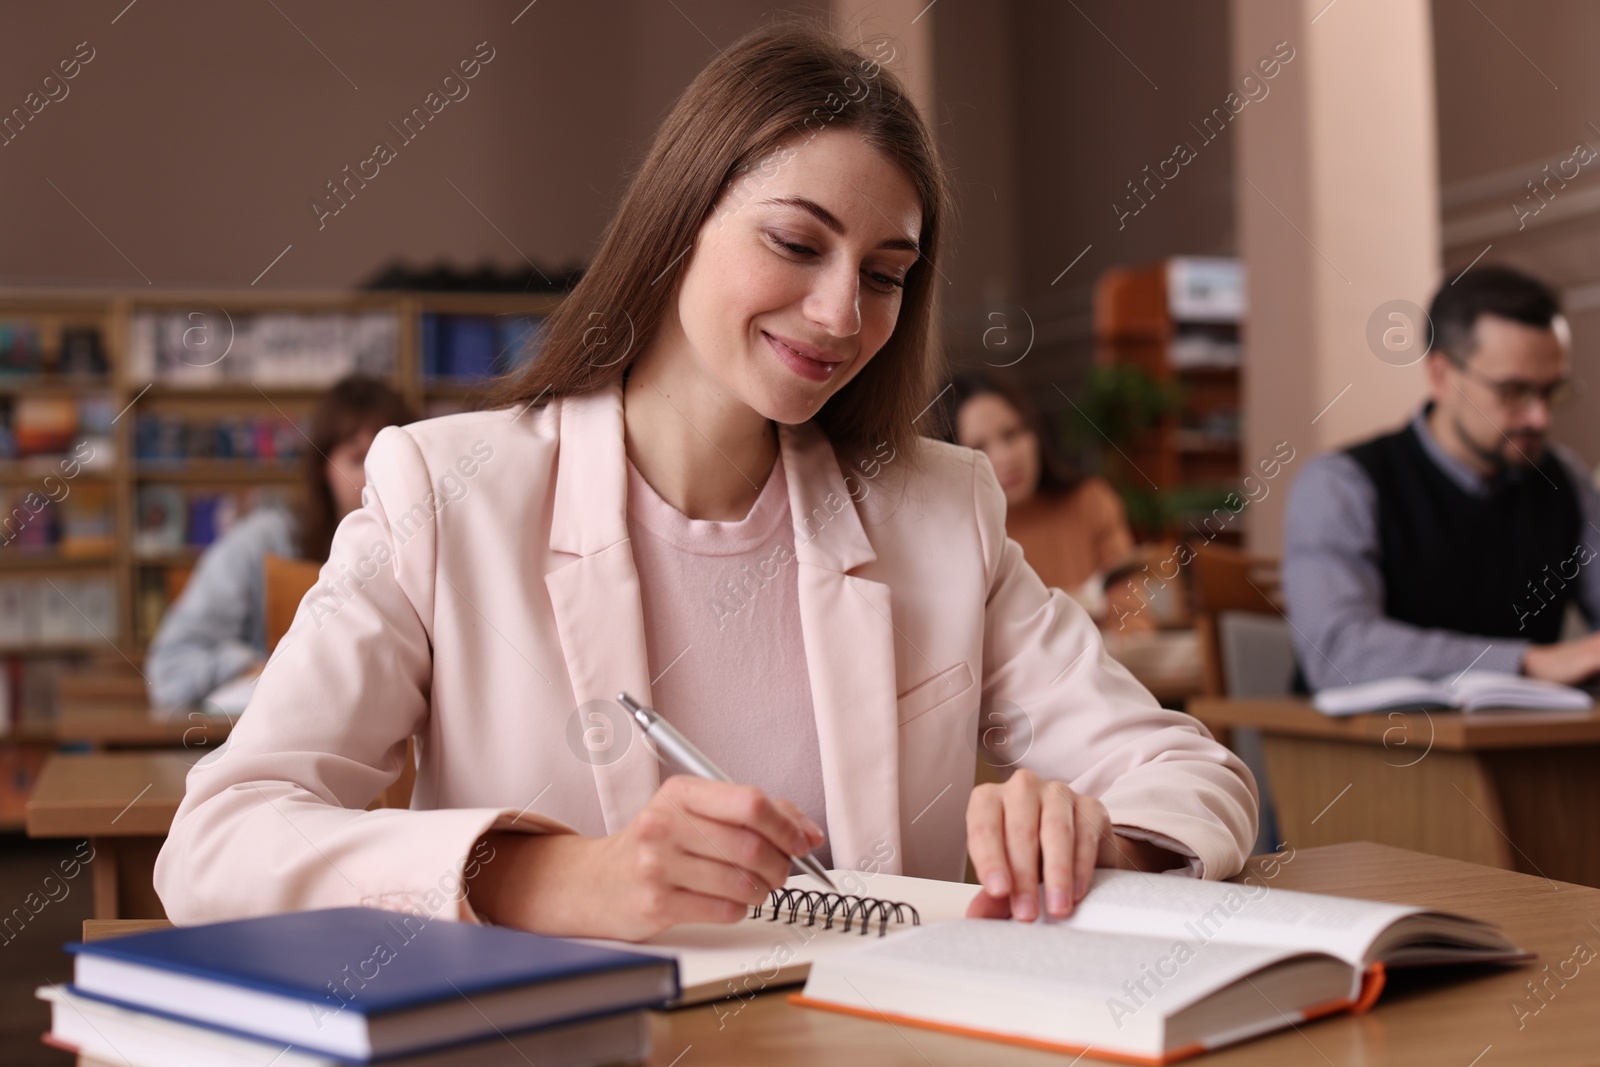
<point>699,851</point>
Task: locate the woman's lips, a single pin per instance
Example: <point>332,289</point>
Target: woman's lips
<point>811,369</point>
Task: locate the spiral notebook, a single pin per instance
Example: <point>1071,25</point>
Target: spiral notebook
<point>801,922</point>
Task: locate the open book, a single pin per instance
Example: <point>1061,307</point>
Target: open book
<point>1471,691</point>
<point>776,946</point>
<point>1150,967</point>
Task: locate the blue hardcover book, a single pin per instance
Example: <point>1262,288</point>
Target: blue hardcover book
<point>472,347</point>
<point>519,342</point>
<point>435,359</point>
<point>367,984</point>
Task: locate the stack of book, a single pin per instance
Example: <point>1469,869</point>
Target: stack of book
<point>355,985</point>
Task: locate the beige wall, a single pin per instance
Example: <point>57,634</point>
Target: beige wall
<point>1089,121</point>
<point>1338,216</point>
<point>194,141</point>
<point>199,133</point>
<point>1505,114</point>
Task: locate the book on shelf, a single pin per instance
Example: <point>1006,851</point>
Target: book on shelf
<point>76,431</point>
<point>171,441</point>
<point>1205,289</point>
<point>475,348</point>
<point>88,522</point>
<point>159,527</point>
<point>64,609</point>
<point>82,353</point>
<point>172,519</point>
<point>30,523</point>
<point>21,349</point>
<point>203,518</point>
<point>44,425</point>
<point>25,351</point>
<point>1149,968</point>
<point>201,347</point>
<point>364,984</point>
<point>1468,691</point>
<point>158,588</point>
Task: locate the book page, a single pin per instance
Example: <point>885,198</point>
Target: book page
<point>1496,689</point>
<point>1201,912</point>
<point>1115,992</point>
<point>738,959</point>
<point>1405,693</point>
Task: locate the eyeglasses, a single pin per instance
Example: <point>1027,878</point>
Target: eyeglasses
<point>1515,393</point>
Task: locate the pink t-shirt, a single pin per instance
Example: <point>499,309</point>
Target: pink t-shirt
<point>722,631</point>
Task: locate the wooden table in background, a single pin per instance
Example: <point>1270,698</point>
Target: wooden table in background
<point>1443,1019</point>
<point>123,802</point>
<point>1518,790</point>
<point>112,722</point>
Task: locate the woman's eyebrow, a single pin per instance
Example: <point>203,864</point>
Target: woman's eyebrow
<point>826,217</point>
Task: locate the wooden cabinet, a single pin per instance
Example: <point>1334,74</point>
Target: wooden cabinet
<point>1177,323</point>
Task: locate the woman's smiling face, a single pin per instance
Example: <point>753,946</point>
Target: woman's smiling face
<point>795,279</point>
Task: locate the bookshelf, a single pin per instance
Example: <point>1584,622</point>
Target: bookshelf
<point>1178,321</point>
<point>114,400</point>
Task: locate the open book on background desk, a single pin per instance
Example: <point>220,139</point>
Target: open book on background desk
<point>1470,691</point>
<point>1150,968</point>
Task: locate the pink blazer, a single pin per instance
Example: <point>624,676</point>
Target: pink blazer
<point>484,596</point>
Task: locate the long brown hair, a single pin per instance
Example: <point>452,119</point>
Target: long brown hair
<point>1056,476</point>
<point>353,404</point>
<point>774,86</point>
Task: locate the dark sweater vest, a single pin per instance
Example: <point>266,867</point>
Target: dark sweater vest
<point>1477,565</point>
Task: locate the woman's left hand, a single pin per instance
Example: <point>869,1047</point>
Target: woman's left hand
<point>1026,825</point>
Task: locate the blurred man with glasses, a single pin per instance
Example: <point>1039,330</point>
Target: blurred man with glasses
<point>1459,540</point>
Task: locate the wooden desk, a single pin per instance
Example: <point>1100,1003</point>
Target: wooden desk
<point>123,802</point>
<point>1450,1021</point>
<point>109,722</point>
<point>118,680</point>
<point>1517,790</point>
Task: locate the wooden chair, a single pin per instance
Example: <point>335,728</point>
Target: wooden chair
<point>1222,581</point>
<point>1245,650</point>
<point>287,583</point>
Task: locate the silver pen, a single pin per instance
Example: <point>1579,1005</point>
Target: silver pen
<point>680,750</point>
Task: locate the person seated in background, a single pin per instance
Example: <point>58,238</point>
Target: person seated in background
<point>216,630</point>
<point>1459,540</point>
<point>1072,527</point>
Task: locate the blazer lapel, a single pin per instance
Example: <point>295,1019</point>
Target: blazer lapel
<point>596,603</point>
<point>845,621</point>
<point>847,627</point>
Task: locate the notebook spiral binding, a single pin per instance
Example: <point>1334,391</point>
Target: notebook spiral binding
<point>831,906</point>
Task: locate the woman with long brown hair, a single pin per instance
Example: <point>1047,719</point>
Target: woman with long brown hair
<point>709,493</point>
<point>1072,527</point>
<point>216,629</point>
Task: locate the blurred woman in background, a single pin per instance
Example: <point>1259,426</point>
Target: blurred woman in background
<point>1072,527</point>
<point>216,630</point>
